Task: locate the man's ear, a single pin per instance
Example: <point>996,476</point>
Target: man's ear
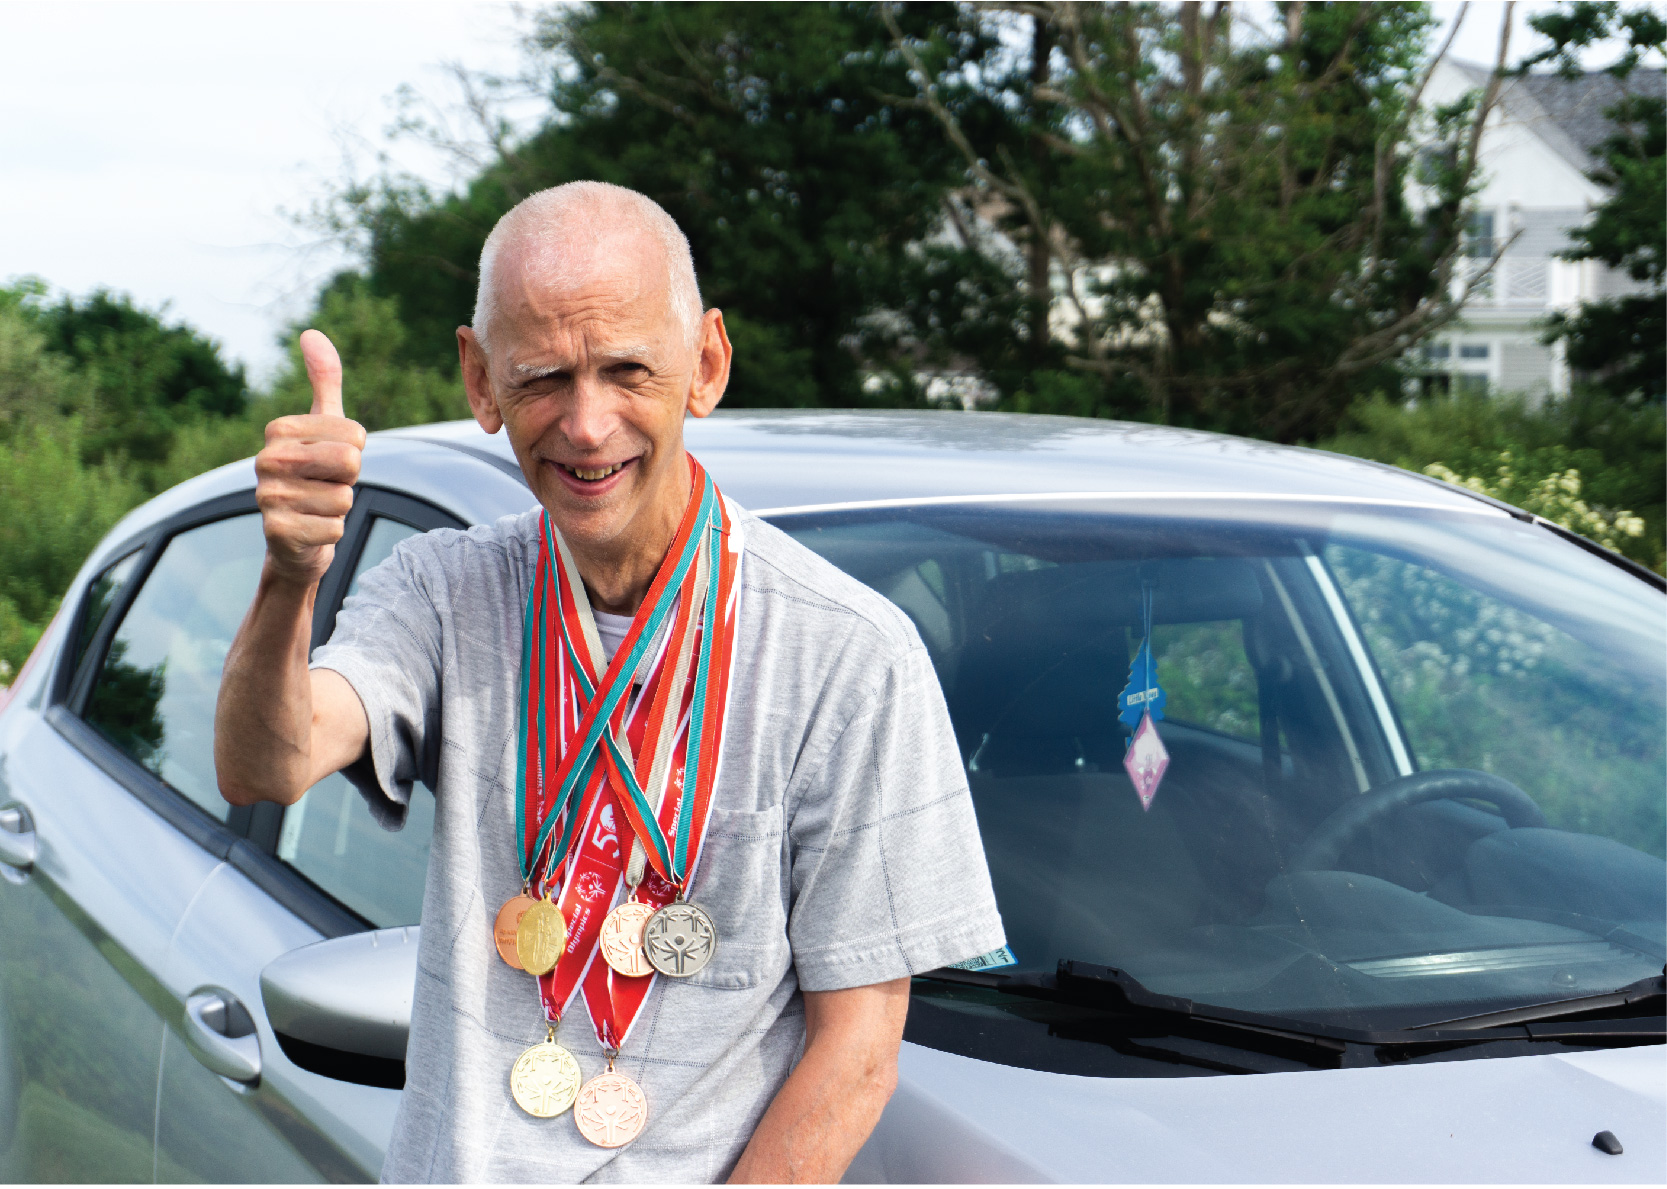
<point>477,383</point>
<point>712,367</point>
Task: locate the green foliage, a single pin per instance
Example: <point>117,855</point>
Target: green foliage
<point>1555,497</point>
<point>1623,340</point>
<point>380,389</point>
<point>771,132</point>
<point>1617,449</point>
<point>1223,211</point>
<point>34,382</point>
<point>57,506</point>
<point>143,378</point>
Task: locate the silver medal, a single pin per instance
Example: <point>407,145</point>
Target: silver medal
<point>680,939</point>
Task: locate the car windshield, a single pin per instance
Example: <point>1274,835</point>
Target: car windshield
<point>1414,756</point>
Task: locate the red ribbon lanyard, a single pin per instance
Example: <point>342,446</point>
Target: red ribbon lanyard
<point>603,818</point>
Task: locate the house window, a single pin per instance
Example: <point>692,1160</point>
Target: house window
<point>1473,351</point>
<point>1478,236</point>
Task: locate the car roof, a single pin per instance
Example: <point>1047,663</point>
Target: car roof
<point>776,460</point>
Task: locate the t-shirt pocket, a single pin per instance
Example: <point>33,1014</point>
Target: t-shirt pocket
<point>741,882</point>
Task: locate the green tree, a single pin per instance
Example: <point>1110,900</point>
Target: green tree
<point>56,508</point>
<point>380,389</point>
<point>144,377</point>
<point>775,136</point>
<point>1221,213</point>
<point>35,383</point>
<point>1622,341</point>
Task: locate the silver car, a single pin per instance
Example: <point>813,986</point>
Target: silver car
<point>1396,910</point>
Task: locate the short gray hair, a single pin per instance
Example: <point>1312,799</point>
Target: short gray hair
<point>554,219</point>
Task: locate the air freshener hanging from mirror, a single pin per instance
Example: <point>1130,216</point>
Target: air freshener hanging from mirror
<point>1140,707</point>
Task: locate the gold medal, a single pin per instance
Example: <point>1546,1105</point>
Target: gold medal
<point>505,927</point>
<point>540,937</point>
<point>545,1079</point>
<point>611,1110</point>
<point>621,940</point>
<point>680,939</point>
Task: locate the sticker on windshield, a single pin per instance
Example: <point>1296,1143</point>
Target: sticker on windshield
<point>994,960</point>
<point>1140,707</point>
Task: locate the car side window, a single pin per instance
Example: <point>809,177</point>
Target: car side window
<point>101,596</point>
<point>1207,676</point>
<point>155,690</point>
<point>329,835</point>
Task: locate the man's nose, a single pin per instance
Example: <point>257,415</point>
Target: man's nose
<point>591,416</point>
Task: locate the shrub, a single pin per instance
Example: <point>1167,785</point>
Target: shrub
<point>1555,496</point>
<point>1607,455</point>
<point>56,509</point>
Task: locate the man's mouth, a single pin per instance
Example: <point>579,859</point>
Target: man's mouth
<point>592,481</point>
<point>592,474</point>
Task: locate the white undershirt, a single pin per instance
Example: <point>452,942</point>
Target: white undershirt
<point>612,629</point>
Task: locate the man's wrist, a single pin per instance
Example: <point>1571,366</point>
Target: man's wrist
<point>282,582</point>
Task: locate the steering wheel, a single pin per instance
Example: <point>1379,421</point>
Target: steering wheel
<point>1327,843</point>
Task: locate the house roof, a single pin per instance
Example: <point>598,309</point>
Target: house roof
<point>1568,113</point>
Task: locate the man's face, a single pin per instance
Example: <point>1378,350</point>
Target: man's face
<point>591,377</point>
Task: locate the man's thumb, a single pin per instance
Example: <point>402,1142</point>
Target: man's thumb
<point>324,370</point>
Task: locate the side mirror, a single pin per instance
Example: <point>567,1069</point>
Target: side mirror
<point>342,1007</point>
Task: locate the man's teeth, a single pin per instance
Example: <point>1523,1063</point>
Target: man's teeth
<point>593,475</point>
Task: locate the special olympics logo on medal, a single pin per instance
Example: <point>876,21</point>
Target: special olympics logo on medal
<point>591,886</point>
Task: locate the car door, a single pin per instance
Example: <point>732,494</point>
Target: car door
<point>248,1104</point>
<point>102,860</point>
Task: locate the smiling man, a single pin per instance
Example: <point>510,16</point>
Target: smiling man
<point>699,809</point>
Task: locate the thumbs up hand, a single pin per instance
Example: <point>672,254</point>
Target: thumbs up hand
<point>305,475</point>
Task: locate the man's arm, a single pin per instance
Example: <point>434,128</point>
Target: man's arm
<point>278,728</point>
<point>831,1101</point>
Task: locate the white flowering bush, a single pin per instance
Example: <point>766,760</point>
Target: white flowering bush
<point>1555,496</point>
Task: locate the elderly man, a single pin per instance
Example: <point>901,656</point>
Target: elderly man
<point>699,809</point>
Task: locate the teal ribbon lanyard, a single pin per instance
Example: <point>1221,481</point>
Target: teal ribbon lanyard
<point>697,707</point>
<point>601,731</point>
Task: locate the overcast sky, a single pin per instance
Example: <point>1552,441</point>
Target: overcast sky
<point>152,147</point>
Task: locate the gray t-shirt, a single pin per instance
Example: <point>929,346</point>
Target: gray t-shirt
<point>841,851</point>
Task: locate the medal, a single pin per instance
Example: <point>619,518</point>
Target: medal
<point>621,937</point>
<point>504,928</point>
<point>680,939</point>
<point>611,1110</point>
<point>540,937</point>
<point>545,1079</point>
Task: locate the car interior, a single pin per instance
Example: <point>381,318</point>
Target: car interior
<point>1246,884</point>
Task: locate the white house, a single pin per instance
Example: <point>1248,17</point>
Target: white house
<point>1536,149</point>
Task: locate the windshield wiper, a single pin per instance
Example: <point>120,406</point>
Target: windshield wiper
<point>1647,994</point>
<point>1120,993</point>
<point>1105,988</point>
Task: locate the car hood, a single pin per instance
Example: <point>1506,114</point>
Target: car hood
<point>1521,1119</point>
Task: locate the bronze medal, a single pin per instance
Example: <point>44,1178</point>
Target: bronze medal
<point>611,1110</point>
<point>680,939</point>
<point>545,1080</point>
<point>621,940</point>
<point>507,924</point>
<point>540,937</point>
